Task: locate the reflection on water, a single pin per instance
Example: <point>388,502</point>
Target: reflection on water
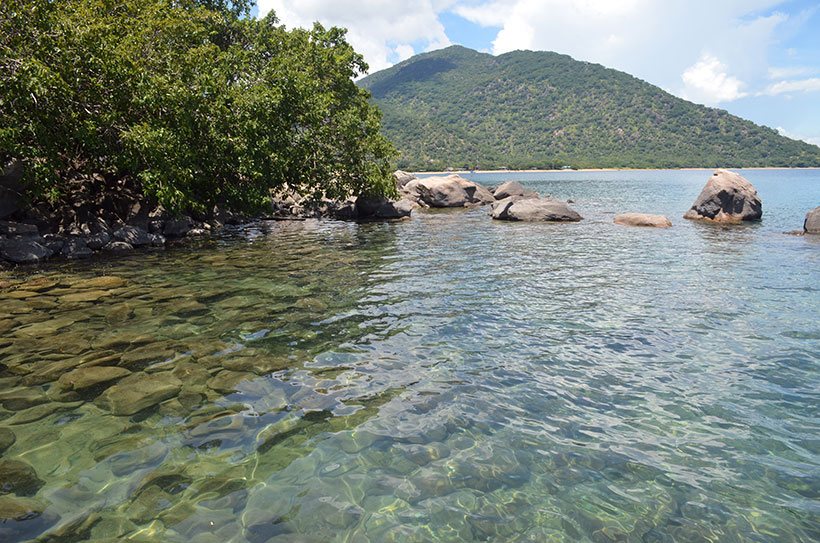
<point>447,378</point>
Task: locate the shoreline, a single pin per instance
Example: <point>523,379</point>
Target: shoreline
<point>593,170</point>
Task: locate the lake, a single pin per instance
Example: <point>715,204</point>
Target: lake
<point>445,378</point>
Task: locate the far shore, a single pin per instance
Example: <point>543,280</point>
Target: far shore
<point>613,170</point>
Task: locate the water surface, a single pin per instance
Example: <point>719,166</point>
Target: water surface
<point>446,378</point>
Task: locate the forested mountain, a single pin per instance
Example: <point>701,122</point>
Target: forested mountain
<point>463,109</point>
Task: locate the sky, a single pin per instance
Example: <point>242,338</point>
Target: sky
<point>758,59</point>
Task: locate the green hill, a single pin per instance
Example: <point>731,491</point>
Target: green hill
<point>463,109</point>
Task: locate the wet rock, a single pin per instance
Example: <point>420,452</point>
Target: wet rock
<point>513,188</point>
<point>157,240</point>
<point>7,439</point>
<point>382,208</point>
<point>812,223</point>
<point>40,284</point>
<point>76,249</point>
<point>99,240</point>
<point>139,391</point>
<point>141,357</point>
<point>255,363</point>
<point>727,198</point>
<point>16,229</point>
<point>18,478</point>
<point>53,243</point>
<point>19,509</point>
<point>133,236</point>
<point>534,210</point>
<point>40,412</point>
<point>643,219</point>
<point>90,376</point>
<point>177,228</point>
<point>118,247</point>
<point>450,191</point>
<point>47,373</point>
<point>23,251</point>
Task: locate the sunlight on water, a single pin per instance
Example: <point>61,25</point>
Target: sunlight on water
<point>448,378</point>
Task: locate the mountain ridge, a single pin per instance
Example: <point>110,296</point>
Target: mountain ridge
<point>459,108</point>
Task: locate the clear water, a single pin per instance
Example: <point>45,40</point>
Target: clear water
<point>447,378</point>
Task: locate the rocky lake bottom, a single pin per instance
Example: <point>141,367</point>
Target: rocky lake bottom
<point>443,378</point>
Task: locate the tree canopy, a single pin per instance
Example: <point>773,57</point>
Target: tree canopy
<point>193,99</point>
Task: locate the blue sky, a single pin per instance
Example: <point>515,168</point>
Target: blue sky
<point>759,59</point>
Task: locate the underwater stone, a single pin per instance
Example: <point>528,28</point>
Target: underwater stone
<point>7,439</point>
<point>83,378</point>
<point>139,391</point>
<point>19,478</point>
<point>14,508</point>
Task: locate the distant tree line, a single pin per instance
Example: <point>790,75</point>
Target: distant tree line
<point>194,100</point>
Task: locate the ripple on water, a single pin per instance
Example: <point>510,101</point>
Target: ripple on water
<point>448,378</point>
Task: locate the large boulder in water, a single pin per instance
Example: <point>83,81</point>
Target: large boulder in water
<point>23,251</point>
<point>812,223</point>
<point>727,198</point>
<point>449,191</point>
<point>534,210</point>
<point>513,188</point>
<point>643,219</point>
<point>380,208</point>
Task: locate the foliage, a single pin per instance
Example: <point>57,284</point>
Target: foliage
<point>462,109</point>
<point>193,98</point>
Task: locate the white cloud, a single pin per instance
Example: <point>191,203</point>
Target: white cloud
<point>800,85</point>
<point>787,72</point>
<point>384,32</point>
<point>808,139</point>
<point>707,82</point>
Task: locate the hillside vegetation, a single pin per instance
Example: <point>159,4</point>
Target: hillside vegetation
<point>463,109</point>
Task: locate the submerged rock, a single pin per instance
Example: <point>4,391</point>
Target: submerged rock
<point>7,439</point>
<point>23,251</point>
<point>450,191</point>
<point>643,219</point>
<point>534,210</point>
<point>812,223</point>
<point>87,377</point>
<point>13,508</point>
<point>19,478</point>
<point>727,198</point>
<point>139,391</point>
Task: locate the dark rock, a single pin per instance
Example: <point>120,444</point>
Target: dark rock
<point>23,251</point>
<point>812,223</point>
<point>382,208</point>
<point>643,219</point>
<point>99,240</point>
<point>16,229</point>
<point>53,242</point>
<point>76,249</point>
<point>118,247</point>
<point>132,235</point>
<point>727,198</point>
<point>19,478</point>
<point>157,240</point>
<point>513,188</point>
<point>534,210</point>
<point>177,228</point>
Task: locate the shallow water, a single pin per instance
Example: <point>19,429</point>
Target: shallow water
<point>447,378</point>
